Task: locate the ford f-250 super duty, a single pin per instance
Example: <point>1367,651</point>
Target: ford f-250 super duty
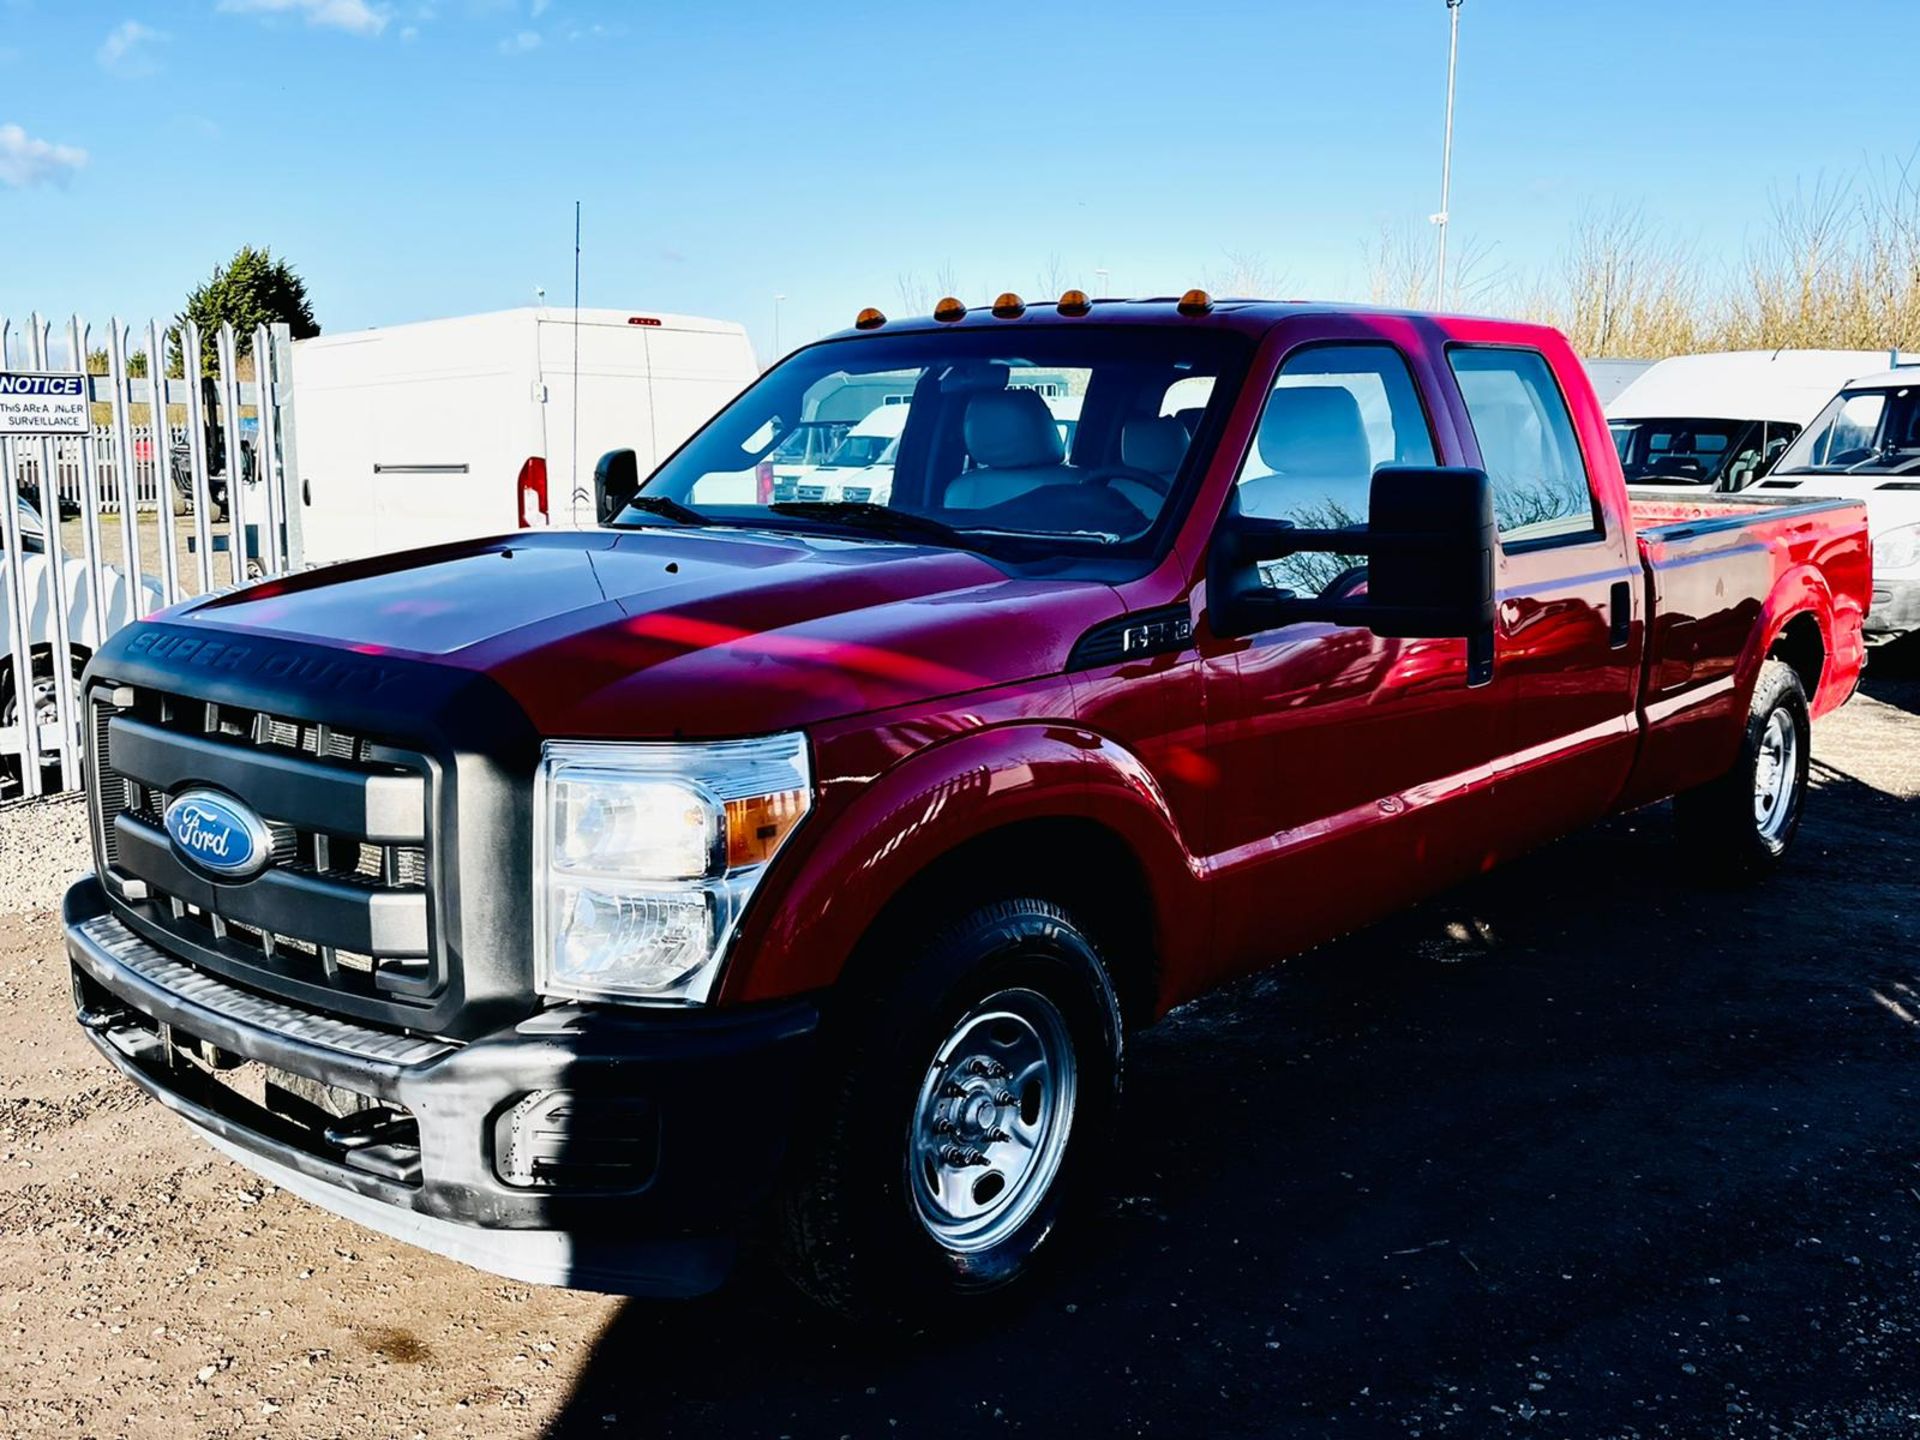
<point>577,904</point>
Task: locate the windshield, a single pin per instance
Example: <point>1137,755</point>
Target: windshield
<point>1074,439</point>
<point>1864,432</point>
<point>1679,450</point>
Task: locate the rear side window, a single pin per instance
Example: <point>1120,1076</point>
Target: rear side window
<point>1527,444</point>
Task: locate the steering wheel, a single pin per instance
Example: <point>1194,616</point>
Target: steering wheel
<point>1158,484</point>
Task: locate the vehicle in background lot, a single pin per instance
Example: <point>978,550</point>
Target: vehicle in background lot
<point>1610,377</point>
<point>861,465</point>
<point>213,441</point>
<point>570,903</point>
<point>860,469</point>
<point>449,429</point>
<point>804,450</point>
<point>1865,445</point>
<point>1720,422</point>
<point>42,640</point>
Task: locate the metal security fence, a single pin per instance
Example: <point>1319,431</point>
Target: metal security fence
<point>178,489</point>
<point>73,457</point>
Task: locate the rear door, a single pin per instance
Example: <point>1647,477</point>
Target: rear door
<point>1567,640</point>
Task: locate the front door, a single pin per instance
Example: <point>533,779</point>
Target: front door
<point>1353,770</point>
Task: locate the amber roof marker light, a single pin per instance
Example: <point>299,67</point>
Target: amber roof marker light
<point>1195,302</point>
<point>1009,307</point>
<point>1075,302</point>
<point>869,319</point>
<point>949,310</point>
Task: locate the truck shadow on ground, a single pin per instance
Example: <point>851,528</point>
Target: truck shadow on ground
<point>1587,1145</point>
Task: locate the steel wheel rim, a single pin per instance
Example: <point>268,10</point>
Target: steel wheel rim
<point>991,1122</point>
<point>1776,777</point>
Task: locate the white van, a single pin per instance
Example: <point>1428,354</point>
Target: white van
<point>449,429</point>
<point>1865,445</point>
<point>1719,422</point>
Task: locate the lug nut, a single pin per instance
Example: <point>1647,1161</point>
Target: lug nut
<point>991,1069</point>
<point>1004,1097</point>
<point>994,1137</point>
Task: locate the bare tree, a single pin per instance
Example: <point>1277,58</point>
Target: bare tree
<point>1052,279</point>
<point>1401,263</point>
<point>1624,287</point>
<point>1246,275</point>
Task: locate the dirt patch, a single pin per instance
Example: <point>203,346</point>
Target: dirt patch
<point>1584,1149</point>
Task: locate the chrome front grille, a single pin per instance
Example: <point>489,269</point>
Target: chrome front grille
<point>346,903</point>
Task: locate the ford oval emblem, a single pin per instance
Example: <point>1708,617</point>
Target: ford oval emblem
<point>218,835</point>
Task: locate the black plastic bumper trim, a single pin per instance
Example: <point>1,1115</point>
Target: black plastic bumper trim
<point>723,1083</point>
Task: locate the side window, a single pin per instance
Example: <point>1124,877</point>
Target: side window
<point>1335,415</point>
<point>1540,489</point>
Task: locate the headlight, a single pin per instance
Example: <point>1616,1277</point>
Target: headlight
<point>1897,549</point>
<point>645,855</point>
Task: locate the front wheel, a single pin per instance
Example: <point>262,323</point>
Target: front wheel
<point>1744,823</point>
<point>968,1096</point>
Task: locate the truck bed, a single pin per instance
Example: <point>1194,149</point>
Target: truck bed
<point>1717,568</point>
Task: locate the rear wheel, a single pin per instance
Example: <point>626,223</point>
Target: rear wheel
<point>969,1092</point>
<point>1744,823</point>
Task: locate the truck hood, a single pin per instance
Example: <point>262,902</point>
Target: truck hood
<point>657,632</point>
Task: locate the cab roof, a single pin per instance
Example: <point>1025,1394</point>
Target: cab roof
<point>1252,317</point>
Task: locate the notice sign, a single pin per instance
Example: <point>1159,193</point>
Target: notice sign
<point>32,404</point>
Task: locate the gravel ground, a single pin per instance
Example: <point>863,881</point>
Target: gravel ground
<point>1584,1149</point>
<point>43,845</point>
<point>147,531</point>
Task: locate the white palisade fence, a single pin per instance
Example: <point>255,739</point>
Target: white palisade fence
<point>102,529</point>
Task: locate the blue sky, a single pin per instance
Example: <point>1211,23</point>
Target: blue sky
<point>421,157</point>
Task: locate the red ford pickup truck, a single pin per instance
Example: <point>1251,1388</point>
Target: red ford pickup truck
<point>582,904</point>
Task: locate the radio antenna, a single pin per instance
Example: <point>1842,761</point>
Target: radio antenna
<point>578,495</point>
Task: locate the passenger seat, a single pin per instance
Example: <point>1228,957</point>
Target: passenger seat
<point>1314,441</point>
<point>1016,448</point>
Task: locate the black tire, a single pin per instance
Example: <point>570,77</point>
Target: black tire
<point>1723,824</point>
<point>11,786</point>
<point>852,1232</point>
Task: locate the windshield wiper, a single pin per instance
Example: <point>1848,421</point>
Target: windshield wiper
<point>667,509</point>
<point>881,519</point>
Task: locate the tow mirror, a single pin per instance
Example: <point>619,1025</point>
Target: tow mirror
<point>1429,543</point>
<point>616,480</point>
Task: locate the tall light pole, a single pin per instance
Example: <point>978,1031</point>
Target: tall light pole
<point>1446,161</point>
<point>1102,275</point>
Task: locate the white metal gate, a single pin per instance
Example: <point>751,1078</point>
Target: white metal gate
<point>97,531</point>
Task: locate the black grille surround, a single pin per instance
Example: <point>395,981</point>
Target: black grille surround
<point>348,895</point>
<point>398,794</point>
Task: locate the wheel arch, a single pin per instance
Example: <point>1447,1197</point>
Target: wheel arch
<point>1026,809</point>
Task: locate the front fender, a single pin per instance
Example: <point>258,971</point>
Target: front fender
<point>853,856</point>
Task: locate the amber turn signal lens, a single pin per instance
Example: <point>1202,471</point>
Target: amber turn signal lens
<point>949,309</point>
<point>1009,307</point>
<point>869,319</point>
<point>1195,302</point>
<point>1075,302</point>
<point>757,825</point>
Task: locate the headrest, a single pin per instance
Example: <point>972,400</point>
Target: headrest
<point>1314,430</point>
<point>1012,430</point>
<point>1154,443</point>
